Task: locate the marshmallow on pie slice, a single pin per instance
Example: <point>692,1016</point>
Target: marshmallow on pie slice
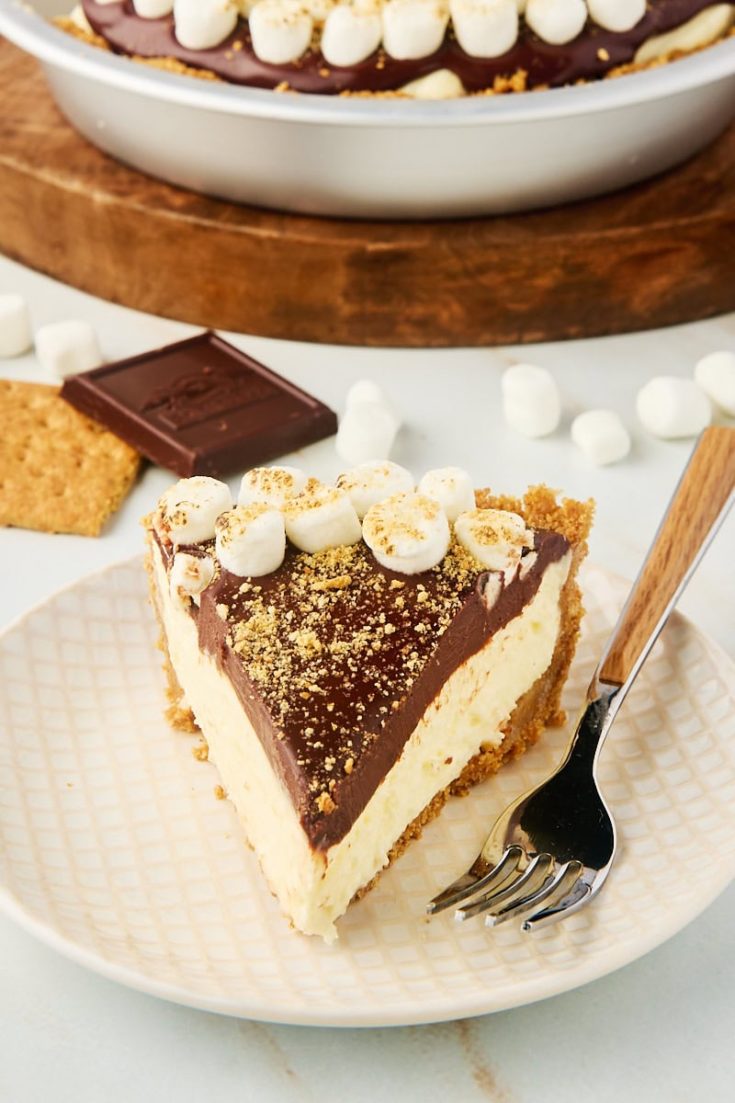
<point>321,517</point>
<point>414,28</point>
<point>187,512</point>
<point>204,24</point>
<point>407,533</point>
<point>495,537</point>
<point>617,15</point>
<point>273,485</point>
<point>190,574</point>
<point>556,21</point>
<point>352,32</point>
<point>280,30</point>
<point>251,540</point>
<point>485,28</point>
<point>452,488</point>
<point>368,483</point>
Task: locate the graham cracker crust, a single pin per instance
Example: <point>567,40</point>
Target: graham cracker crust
<point>540,706</point>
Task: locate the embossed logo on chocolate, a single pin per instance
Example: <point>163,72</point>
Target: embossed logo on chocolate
<point>206,391</point>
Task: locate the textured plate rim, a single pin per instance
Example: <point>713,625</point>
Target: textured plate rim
<point>29,30</point>
<point>587,970</point>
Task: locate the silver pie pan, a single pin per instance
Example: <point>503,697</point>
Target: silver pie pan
<point>373,158</point>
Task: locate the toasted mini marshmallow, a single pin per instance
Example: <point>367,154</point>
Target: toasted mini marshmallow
<point>66,348</point>
<point>408,533</point>
<point>280,30</point>
<point>485,28</point>
<point>250,540</point>
<point>273,485</point>
<point>601,435</point>
<point>495,537</point>
<point>190,574</point>
<point>670,407</point>
<point>352,32</point>
<point>153,9</point>
<point>15,326</point>
<point>442,84</point>
<point>701,30</point>
<point>203,24</point>
<point>414,28</point>
<point>187,512</point>
<point>366,432</point>
<point>617,15</point>
<point>556,21</point>
<point>321,517</point>
<point>531,402</point>
<point>715,374</point>
<point>451,487</point>
<point>369,483</point>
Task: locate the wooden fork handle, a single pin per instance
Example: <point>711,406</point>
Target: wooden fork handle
<point>699,503</point>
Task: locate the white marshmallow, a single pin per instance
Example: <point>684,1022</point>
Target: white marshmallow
<point>495,537</point>
<point>485,28</point>
<point>281,30</point>
<point>273,485</point>
<point>369,483</point>
<point>79,19</point>
<point>365,390</point>
<point>366,432</point>
<point>321,517</point>
<point>407,533</point>
<point>203,24</point>
<point>451,487</point>
<point>699,31</point>
<point>442,84</point>
<point>250,540</point>
<point>601,435</point>
<point>617,15</point>
<point>715,374</point>
<point>188,510</point>
<point>414,28</point>
<point>153,9</point>
<point>531,402</point>
<point>351,33</point>
<point>556,21</point>
<point>66,348</point>
<point>190,574</point>
<point>670,407</point>
<point>15,326</point>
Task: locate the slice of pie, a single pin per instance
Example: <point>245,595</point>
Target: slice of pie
<point>354,654</point>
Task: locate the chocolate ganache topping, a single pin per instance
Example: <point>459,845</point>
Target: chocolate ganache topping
<point>336,659</point>
<point>589,56</point>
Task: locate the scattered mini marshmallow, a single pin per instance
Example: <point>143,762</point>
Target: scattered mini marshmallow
<point>187,512</point>
<point>670,407</point>
<point>715,374</point>
<point>280,30</point>
<point>250,541</point>
<point>485,28</point>
<point>407,533</point>
<point>556,21</point>
<point>414,28</point>
<point>365,390</point>
<point>451,487</point>
<point>601,435</point>
<point>617,15</point>
<point>190,574</point>
<point>369,483</point>
<point>15,326</point>
<point>272,485</point>
<point>203,24</point>
<point>366,432</point>
<point>321,517</point>
<point>495,537</point>
<point>66,348</point>
<point>153,9</point>
<point>531,402</point>
<point>352,32</point>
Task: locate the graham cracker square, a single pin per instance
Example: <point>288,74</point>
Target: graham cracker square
<point>59,470</point>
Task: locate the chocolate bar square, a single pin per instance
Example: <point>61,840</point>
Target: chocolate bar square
<point>200,407</point>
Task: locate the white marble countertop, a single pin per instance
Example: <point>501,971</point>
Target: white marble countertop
<point>660,1029</point>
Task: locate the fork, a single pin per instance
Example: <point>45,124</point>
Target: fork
<point>550,851</point>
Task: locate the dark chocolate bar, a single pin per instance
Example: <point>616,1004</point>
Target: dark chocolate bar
<point>200,407</point>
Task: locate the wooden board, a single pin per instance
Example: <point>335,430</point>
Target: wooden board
<point>653,255</point>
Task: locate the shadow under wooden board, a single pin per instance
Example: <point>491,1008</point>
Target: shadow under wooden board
<point>656,254</point>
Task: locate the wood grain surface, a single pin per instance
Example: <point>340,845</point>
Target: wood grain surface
<point>653,255</point>
<point>699,500</point>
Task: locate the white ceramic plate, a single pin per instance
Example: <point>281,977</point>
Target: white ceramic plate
<point>114,850</point>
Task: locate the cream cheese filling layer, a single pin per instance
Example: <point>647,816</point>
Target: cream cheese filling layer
<point>315,888</point>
